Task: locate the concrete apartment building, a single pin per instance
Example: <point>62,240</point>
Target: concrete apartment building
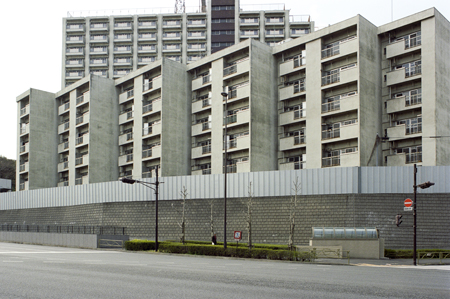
<point>113,46</point>
<point>321,100</point>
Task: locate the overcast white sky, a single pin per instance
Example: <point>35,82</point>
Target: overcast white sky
<point>32,38</point>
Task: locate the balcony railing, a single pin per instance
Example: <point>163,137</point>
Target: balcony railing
<point>330,51</point>
<point>413,100</point>
<point>329,79</point>
<point>206,149</point>
<point>206,125</point>
<point>147,153</point>
<point>413,70</point>
<point>414,157</point>
<point>206,79</point>
<point>299,140</point>
<point>229,70</point>
<point>329,134</point>
<point>331,106</point>
<point>331,161</point>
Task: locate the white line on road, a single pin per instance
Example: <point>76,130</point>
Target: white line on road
<point>13,261</point>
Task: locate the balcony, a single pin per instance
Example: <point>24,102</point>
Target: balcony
<point>294,89</point>
<point>62,147</point>
<point>196,35</point>
<point>126,96</point>
<point>82,161</point>
<point>24,186</point>
<point>196,47</point>
<point>403,46</point>
<point>342,133</point>
<point>74,63</point>
<point>75,39</point>
<point>201,81</point>
<point>403,132</point>
<point>241,117</point>
<point>63,166</point>
<point>24,148</point>
<point>171,36</point>
<point>292,65</point>
<point>345,75</point>
<point>172,48</point>
<point>152,153</point>
<point>126,159</point>
<point>201,128</point>
<point>344,160</point>
<point>147,37</point>
<point>126,137</point>
<point>344,48</point>
<point>404,159</point>
<point>172,24</point>
<point>154,106</point>
<point>98,62</point>
<point>125,61</point>
<point>145,49</point>
<point>292,142</point>
<point>75,28</point>
<point>126,116</point>
<point>153,130</point>
<point>82,140</point>
<point>25,110</point>
<point>292,165</point>
<point>83,180</point>
<point>75,75</point>
<point>198,23</point>
<point>24,128</point>
<point>403,103</point>
<point>98,51</point>
<point>63,108</point>
<point>74,51</point>
<point>82,119</point>
<point>24,167</point>
<point>126,174</point>
<point>243,166</point>
<point>98,39</point>
<point>84,98</point>
<point>123,26</point>
<point>243,66</point>
<point>123,50</point>
<point>201,104</point>
<point>147,25</point>
<point>99,27</point>
<point>291,116</point>
<point>239,143</point>
<point>201,151</point>
<point>63,183</point>
<point>241,92</point>
<point>401,75</point>
<point>123,38</point>
<point>63,127</point>
<point>154,84</point>
<point>343,104</point>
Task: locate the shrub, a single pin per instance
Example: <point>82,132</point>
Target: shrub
<point>139,245</point>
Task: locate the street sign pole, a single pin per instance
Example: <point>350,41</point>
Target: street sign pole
<point>414,215</point>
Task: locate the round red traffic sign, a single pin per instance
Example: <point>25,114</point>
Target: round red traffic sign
<point>408,202</point>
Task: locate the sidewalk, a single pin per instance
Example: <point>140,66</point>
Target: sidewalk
<point>384,262</point>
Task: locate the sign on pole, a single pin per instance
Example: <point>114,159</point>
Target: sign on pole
<point>408,204</point>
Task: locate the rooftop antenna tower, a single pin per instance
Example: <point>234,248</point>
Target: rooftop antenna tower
<point>180,6</point>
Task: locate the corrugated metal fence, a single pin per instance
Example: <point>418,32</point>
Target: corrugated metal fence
<point>351,180</point>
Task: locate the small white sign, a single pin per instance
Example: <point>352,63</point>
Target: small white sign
<point>407,208</point>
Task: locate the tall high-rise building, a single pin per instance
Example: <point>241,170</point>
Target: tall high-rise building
<point>352,94</point>
<point>113,46</point>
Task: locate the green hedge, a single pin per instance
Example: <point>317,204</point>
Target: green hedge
<point>260,251</point>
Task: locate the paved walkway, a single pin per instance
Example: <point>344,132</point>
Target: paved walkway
<point>386,262</point>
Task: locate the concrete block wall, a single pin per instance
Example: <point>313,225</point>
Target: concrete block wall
<point>270,218</point>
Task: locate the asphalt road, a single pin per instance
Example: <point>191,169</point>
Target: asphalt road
<point>28,271</point>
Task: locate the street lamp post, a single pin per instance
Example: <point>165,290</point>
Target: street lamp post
<point>225,96</point>
<point>156,189</point>
<point>422,186</point>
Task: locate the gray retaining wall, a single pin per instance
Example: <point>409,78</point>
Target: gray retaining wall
<point>270,217</point>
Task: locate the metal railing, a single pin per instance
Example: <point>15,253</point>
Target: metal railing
<point>413,70</point>
<point>147,108</point>
<point>206,125</point>
<point>329,134</point>
<point>80,99</point>
<point>79,161</point>
<point>230,70</point>
<point>332,78</point>
<point>299,140</point>
<point>330,51</point>
<point>206,102</point>
<point>65,229</point>
<point>331,106</point>
<point>79,140</point>
<point>206,149</point>
<point>413,158</point>
<point>331,161</point>
<point>433,255</point>
<point>206,79</point>
<point>413,100</point>
<point>299,113</point>
<point>147,86</point>
<point>413,42</point>
<point>147,153</point>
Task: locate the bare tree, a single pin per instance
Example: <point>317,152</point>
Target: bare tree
<point>182,224</point>
<point>249,216</point>
<point>292,209</point>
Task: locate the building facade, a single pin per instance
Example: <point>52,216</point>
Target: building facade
<point>349,95</point>
<point>113,46</point>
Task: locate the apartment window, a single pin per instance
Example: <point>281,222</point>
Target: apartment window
<point>171,22</point>
<point>275,32</point>
<point>196,33</point>
<point>147,35</point>
<point>330,131</point>
<point>197,46</point>
<point>249,32</point>
<point>413,154</point>
<point>299,31</point>
<point>223,7</point>
<point>334,103</point>
<point>146,59</point>
<point>249,20</point>
<point>412,125</point>
<point>333,157</point>
<point>171,34</point>
<point>98,49</point>
<point>99,25</point>
<point>99,37</point>
<point>275,20</point>
<point>171,46</point>
<point>222,20</point>
<point>196,22</point>
<point>411,68</point>
<point>216,45</point>
<point>412,97</point>
<point>411,40</point>
<point>222,32</point>
<point>334,48</point>
<point>122,24</point>
<point>299,136</point>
